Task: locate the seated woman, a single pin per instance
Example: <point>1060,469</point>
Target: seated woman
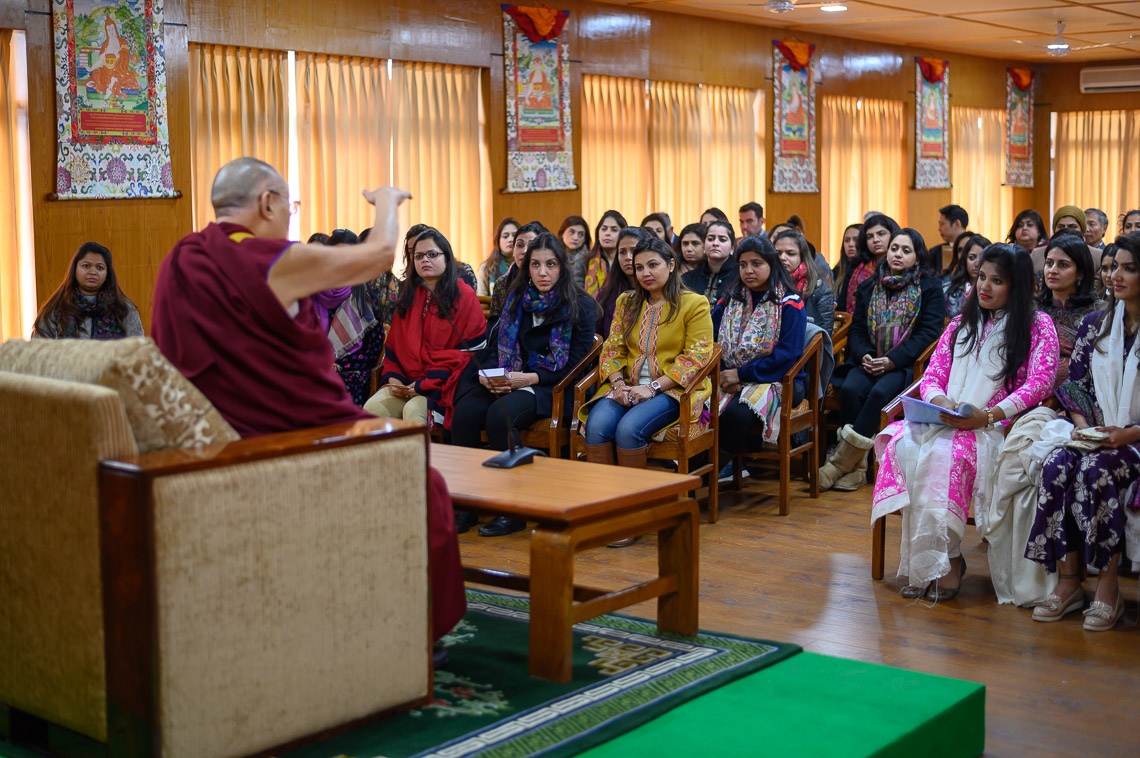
<point>871,245</point>
<point>1000,357</point>
<point>656,225</point>
<point>849,263</point>
<point>593,268</point>
<point>761,327</point>
<point>661,337</point>
<point>438,320</point>
<point>692,242</point>
<point>88,304</point>
<point>500,258</point>
<point>1027,231</point>
<point>963,271</point>
<point>546,328</point>
<point>898,314</point>
<point>620,278</point>
<point>797,260</point>
<point>1006,519</point>
<point>1104,272</point>
<point>575,235</point>
<point>718,268</point>
<point>523,237</point>
<point>1085,507</point>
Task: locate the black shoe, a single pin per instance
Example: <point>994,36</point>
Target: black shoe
<point>464,520</point>
<point>438,657</point>
<point>501,525</point>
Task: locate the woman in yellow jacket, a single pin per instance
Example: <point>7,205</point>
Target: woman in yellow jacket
<point>661,336</point>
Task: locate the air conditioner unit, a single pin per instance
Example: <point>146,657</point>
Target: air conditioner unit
<point>1110,79</point>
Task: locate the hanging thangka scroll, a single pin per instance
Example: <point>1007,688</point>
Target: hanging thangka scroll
<point>537,63</point>
<point>1019,127</point>
<point>110,80</point>
<point>931,123</point>
<point>793,169</point>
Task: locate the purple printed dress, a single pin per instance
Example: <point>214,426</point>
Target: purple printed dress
<point>932,472</point>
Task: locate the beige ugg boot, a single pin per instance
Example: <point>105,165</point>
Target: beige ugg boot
<point>857,477</point>
<point>843,461</point>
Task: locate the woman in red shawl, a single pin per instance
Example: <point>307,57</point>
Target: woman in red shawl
<point>438,321</point>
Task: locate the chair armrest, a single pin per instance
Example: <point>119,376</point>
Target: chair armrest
<point>924,358</point>
<point>892,410</point>
<point>588,379</point>
<point>839,335</point>
<point>811,353</point>
<point>559,400</point>
<point>712,368</point>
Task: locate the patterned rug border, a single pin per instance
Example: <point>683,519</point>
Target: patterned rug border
<point>581,719</point>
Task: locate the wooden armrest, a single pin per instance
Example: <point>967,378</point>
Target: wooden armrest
<point>591,377</point>
<point>787,384</point>
<point>892,410</point>
<point>924,358</point>
<point>686,399</point>
<point>168,462</point>
<point>559,400</point>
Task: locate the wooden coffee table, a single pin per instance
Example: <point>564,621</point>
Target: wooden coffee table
<point>578,506</point>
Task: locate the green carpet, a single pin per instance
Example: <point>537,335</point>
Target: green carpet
<point>816,705</point>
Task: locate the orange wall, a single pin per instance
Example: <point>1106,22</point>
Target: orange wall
<point>611,40</point>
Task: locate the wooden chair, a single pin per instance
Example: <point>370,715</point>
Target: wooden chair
<point>485,304</point>
<point>830,411</point>
<point>682,442</point>
<point>805,417</point>
<point>552,434</point>
<point>839,335</point>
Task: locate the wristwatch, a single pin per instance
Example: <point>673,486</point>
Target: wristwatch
<point>989,419</point>
<point>655,386</point>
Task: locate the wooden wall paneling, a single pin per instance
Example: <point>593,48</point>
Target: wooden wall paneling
<point>712,52</point>
<point>12,13</point>
<point>1061,82</point>
<point>139,233</point>
<point>613,40</point>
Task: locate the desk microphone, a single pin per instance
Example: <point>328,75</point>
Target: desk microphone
<point>516,454</point>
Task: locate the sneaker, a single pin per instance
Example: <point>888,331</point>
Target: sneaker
<point>725,475</point>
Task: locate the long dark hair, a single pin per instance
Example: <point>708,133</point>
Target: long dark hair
<point>777,276</point>
<point>921,254</point>
<point>1036,218</point>
<point>1074,246</point>
<point>956,252</point>
<point>61,304</point>
<point>446,289</point>
<point>596,249</point>
<point>727,225</point>
<point>1129,243</point>
<point>811,271</point>
<point>1020,310</point>
<point>1124,218</point>
<point>960,273</point>
<point>570,221</point>
<point>673,287</point>
<point>499,233</point>
<point>862,251</point>
<point>616,280</point>
<point>568,290</point>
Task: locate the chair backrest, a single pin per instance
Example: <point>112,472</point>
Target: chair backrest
<point>826,357</point>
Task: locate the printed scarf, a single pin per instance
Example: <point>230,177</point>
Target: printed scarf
<point>748,333</point>
<point>799,278</point>
<point>893,309</point>
<point>104,324</point>
<point>862,273</point>
<point>595,274</point>
<point>510,356</point>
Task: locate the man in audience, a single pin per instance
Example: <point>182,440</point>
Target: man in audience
<point>751,219</point>
<point>1096,224</point>
<point>233,311</point>
<point>952,221</point>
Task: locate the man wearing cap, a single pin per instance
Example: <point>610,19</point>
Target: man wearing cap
<point>1068,218</point>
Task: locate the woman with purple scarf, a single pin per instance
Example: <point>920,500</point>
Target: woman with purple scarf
<point>545,329</point>
<point>89,305</point>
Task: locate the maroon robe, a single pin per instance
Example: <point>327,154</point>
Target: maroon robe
<point>216,319</point>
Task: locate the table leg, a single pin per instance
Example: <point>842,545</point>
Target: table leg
<point>551,601</point>
<point>678,555</point>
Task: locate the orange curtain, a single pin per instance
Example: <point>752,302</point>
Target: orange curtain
<point>862,160</point>
<point>730,149</point>
<point>343,139</point>
<point>1096,162</point>
<point>615,148</point>
<point>238,107</point>
<point>976,166</point>
<point>675,151</point>
<point>17,257</point>
<point>439,155</point>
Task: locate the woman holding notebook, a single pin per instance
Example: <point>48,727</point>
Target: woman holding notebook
<point>999,356</point>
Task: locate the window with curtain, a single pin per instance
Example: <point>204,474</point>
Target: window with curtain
<point>730,149</point>
<point>239,106</point>
<point>438,153</point>
<point>17,256</point>
<point>862,163</point>
<point>977,165</point>
<point>675,151</point>
<point>1096,162</point>
<point>343,140</point>
<point>615,148</point>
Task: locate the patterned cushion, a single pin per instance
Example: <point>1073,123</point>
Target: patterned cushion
<point>673,433</point>
<point>164,408</point>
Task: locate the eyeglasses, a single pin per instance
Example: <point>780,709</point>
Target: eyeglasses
<point>431,255</point>
<point>294,205</point>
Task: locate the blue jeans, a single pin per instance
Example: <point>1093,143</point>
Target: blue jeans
<point>630,428</point>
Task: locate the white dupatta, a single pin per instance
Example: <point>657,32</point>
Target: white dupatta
<point>1115,377</point>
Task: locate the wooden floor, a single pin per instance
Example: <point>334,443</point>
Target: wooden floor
<point>1051,689</point>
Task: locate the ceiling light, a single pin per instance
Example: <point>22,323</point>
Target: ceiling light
<point>836,8</point>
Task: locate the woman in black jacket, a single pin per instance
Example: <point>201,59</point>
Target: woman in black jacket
<point>899,312</point>
<point>545,329</point>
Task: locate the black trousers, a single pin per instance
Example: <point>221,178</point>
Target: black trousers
<point>863,396</point>
<point>738,419</point>
<point>480,410</point>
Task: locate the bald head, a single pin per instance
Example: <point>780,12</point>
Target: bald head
<point>239,183</point>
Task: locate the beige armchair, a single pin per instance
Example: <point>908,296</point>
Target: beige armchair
<point>219,600</point>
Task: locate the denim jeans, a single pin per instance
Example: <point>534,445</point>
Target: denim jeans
<point>630,428</point>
